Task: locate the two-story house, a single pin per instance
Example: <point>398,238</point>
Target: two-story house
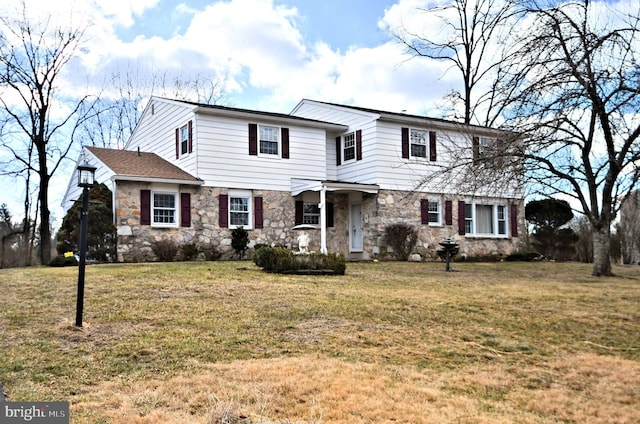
<point>192,172</point>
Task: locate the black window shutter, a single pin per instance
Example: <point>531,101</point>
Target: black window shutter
<point>177,143</point>
<point>432,146</point>
<point>285,142</point>
<point>185,209</point>
<point>338,151</point>
<point>190,137</point>
<point>461,221</point>
<point>448,212</point>
<point>424,211</point>
<point>476,148</point>
<point>359,145</point>
<point>405,143</point>
<point>223,210</point>
<point>514,220</point>
<point>329,214</point>
<point>253,139</point>
<point>145,207</point>
<point>299,212</point>
<point>257,212</point>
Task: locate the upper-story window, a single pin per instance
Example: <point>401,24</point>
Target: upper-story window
<point>418,143</point>
<point>349,147</point>
<point>269,141</point>
<point>184,140</point>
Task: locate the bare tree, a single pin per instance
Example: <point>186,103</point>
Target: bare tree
<point>38,124</point>
<point>577,101</point>
<point>121,103</point>
<point>472,41</point>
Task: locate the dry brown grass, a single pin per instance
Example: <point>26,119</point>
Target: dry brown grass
<point>217,343</point>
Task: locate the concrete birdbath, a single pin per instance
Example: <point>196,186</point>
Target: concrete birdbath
<point>303,238</point>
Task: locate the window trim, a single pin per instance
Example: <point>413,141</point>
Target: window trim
<point>184,139</point>
<point>426,144</point>
<point>344,148</point>
<point>176,209</point>
<point>471,230</point>
<point>277,132</point>
<point>240,194</point>
<point>438,203</point>
<point>306,214</point>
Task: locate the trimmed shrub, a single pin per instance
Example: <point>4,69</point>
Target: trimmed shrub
<point>283,260</point>
<point>61,260</point>
<point>165,250</point>
<point>239,241</point>
<point>524,257</point>
<point>402,238</point>
<point>264,257</point>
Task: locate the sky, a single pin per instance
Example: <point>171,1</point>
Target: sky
<point>268,54</point>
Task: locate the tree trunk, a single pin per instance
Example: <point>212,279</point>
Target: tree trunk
<point>45,225</point>
<point>601,259</point>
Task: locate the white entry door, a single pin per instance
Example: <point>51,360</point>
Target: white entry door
<point>355,225</point>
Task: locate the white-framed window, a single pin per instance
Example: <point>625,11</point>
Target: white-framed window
<point>434,212</point>
<point>269,140</point>
<point>310,214</point>
<point>184,140</point>
<point>485,146</point>
<point>240,209</point>
<point>485,220</point>
<point>164,212</point>
<point>418,143</point>
<point>349,147</point>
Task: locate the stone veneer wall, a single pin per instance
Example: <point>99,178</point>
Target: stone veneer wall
<point>135,241</point>
<point>397,206</point>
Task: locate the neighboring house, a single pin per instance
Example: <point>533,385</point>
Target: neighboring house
<point>192,172</point>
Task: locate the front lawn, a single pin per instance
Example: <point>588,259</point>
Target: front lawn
<point>223,342</point>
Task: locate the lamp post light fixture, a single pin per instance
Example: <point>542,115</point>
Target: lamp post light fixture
<point>86,174</point>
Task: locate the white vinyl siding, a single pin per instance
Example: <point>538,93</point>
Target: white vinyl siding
<point>223,160</point>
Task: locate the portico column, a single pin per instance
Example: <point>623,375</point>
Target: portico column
<point>323,219</point>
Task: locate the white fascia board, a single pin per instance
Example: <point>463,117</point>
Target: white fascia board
<point>267,117</point>
<point>155,180</point>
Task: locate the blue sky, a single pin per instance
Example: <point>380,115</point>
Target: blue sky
<point>267,54</point>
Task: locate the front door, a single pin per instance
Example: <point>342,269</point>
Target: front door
<point>355,225</point>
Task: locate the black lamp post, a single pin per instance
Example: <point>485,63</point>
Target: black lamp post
<point>86,174</point>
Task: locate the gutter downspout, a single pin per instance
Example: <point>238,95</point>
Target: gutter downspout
<point>323,219</point>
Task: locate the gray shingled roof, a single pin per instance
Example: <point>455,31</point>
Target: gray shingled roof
<point>129,163</point>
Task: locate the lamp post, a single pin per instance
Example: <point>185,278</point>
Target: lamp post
<point>86,174</point>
